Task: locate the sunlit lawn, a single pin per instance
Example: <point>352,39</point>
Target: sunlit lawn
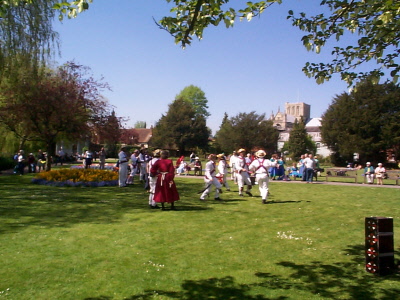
<point>105,243</point>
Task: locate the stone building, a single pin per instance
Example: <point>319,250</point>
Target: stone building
<point>284,121</point>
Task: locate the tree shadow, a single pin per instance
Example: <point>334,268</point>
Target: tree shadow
<point>204,289</point>
<point>25,204</point>
<point>330,281</point>
<point>341,280</point>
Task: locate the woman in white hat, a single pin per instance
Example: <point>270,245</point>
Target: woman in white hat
<point>260,167</point>
<point>379,172</point>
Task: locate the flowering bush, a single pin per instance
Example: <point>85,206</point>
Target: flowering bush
<point>77,177</point>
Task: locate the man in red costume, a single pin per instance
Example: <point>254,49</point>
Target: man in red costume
<point>165,190</point>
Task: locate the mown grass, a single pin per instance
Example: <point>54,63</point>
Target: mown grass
<point>105,243</point>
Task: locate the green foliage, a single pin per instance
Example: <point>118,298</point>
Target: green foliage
<point>197,98</point>
<point>26,33</point>
<point>365,121</point>
<point>299,141</point>
<point>6,163</point>
<point>140,124</point>
<point>181,128</point>
<point>375,22</point>
<point>247,130</point>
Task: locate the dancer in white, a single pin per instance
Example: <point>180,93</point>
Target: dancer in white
<point>242,173</point>
<point>260,167</point>
<point>210,179</point>
<point>223,170</point>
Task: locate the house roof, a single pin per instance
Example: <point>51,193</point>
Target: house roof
<point>140,135</point>
<point>314,122</point>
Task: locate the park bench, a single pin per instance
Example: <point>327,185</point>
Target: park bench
<point>341,173</point>
<point>389,175</point>
<point>195,170</point>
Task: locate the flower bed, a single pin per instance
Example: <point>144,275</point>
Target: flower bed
<point>77,177</point>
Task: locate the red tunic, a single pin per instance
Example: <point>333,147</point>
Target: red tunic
<point>165,187</point>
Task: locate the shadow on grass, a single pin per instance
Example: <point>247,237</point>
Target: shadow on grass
<point>330,281</point>
<point>24,204</point>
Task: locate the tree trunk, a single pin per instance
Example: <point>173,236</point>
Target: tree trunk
<point>51,151</point>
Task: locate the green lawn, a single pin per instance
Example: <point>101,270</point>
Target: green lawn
<point>105,243</point>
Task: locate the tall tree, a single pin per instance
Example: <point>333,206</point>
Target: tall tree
<point>26,33</point>
<point>365,121</point>
<point>249,131</point>
<point>299,141</point>
<point>63,102</point>
<point>140,124</point>
<point>181,128</point>
<point>374,22</point>
<point>197,98</point>
<point>107,130</point>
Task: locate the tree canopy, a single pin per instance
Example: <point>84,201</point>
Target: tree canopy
<point>65,102</point>
<point>181,128</point>
<point>365,121</point>
<point>375,22</point>
<point>197,98</point>
<point>247,130</point>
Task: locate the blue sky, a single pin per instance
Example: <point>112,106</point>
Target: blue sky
<point>254,66</point>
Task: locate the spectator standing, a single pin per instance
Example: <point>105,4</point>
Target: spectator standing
<point>102,158</point>
<point>31,163</point>
<point>41,160</point>
<point>310,165</point>
<point>88,159</point>
<point>369,173</point>
<point>21,162</point>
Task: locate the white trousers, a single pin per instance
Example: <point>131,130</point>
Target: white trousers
<point>152,185</point>
<point>122,174</point>
<point>242,179</point>
<point>209,183</point>
<point>263,180</point>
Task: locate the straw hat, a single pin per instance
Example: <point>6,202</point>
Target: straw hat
<point>221,156</point>
<point>241,150</point>
<point>260,153</point>
<point>157,153</point>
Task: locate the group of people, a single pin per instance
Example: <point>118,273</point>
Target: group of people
<point>242,166</point>
<point>157,172</point>
<point>370,173</point>
<point>34,163</point>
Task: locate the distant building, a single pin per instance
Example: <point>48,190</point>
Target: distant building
<point>284,121</point>
<point>137,137</point>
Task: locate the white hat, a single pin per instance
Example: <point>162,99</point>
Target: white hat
<point>368,163</point>
<point>260,153</point>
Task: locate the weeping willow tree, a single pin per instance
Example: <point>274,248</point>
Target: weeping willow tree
<point>28,41</point>
<point>27,36</point>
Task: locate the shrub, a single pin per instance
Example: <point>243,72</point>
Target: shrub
<point>77,177</point>
<point>6,163</point>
